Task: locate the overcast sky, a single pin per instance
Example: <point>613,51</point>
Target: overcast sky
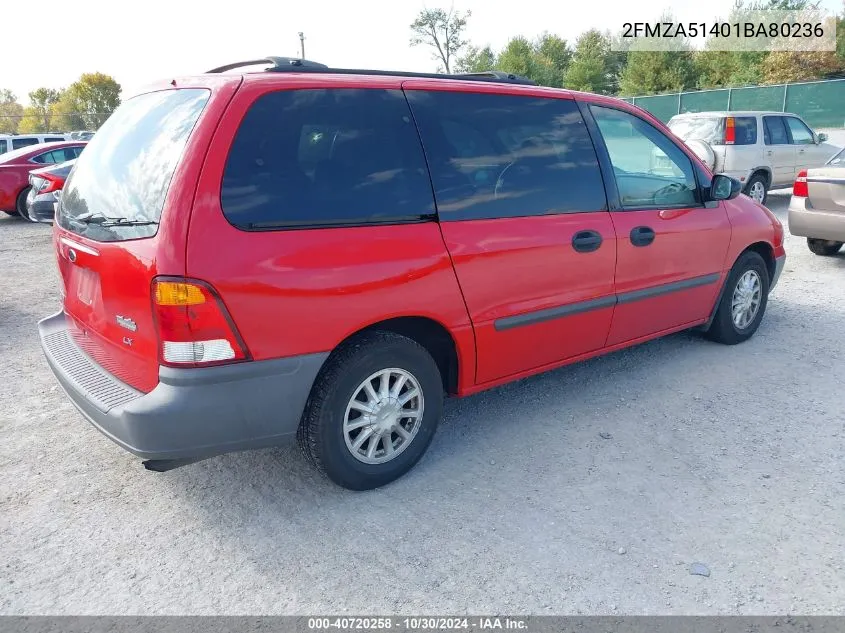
<point>140,42</point>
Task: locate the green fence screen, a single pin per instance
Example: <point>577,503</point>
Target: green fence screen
<point>704,101</point>
<point>820,103</point>
<point>762,98</point>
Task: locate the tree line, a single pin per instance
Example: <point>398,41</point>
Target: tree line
<point>594,64</point>
<point>84,105</point>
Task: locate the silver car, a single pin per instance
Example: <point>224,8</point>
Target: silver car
<point>817,207</point>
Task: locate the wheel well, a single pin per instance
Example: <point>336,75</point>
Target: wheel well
<point>767,253</point>
<point>763,172</point>
<point>435,338</point>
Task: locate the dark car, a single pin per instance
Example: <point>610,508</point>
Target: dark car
<point>324,253</point>
<point>16,165</point>
<point>45,189</point>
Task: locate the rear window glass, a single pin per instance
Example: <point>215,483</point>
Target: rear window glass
<point>4,147</point>
<point>119,186</point>
<point>335,157</point>
<point>495,156</point>
<point>712,129</point>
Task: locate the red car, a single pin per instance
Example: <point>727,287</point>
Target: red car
<point>16,165</point>
<point>326,252</point>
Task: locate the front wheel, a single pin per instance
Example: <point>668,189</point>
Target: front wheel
<point>825,248</point>
<point>743,302</point>
<point>372,411</point>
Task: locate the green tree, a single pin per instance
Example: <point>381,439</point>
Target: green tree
<point>39,114</point>
<point>518,58</point>
<point>592,65</point>
<point>552,57</point>
<point>476,60</point>
<point>88,102</point>
<point>442,31</point>
<point>656,65</point>
<point>840,37</point>
<point>11,112</point>
<point>653,72</point>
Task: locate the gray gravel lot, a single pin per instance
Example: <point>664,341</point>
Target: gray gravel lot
<point>728,456</point>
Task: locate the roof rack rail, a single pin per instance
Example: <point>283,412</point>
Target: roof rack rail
<point>292,64</point>
<point>296,65</point>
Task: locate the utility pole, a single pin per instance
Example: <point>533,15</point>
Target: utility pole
<point>302,44</point>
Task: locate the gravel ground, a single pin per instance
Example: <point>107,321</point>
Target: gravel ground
<point>591,489</point>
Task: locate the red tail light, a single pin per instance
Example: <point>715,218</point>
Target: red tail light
<point>51,183</point>
<point>730,131</point>
<point>194,327</point>
<point>800,187</point>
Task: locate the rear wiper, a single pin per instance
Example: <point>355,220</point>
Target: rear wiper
<point>104,220</point>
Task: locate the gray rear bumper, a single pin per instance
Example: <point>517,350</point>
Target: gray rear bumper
<point>779,262</point>
<point>191,412</point>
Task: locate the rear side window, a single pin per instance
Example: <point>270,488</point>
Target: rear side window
<point>334,157</point>
<point>50,139</point>
<point>4,147</point>
<point>118,188</point>
<point>23,142</point>
<point>498,156</point>
<point>775,131</point>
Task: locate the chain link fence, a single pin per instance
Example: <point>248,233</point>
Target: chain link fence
<point>820,103</point>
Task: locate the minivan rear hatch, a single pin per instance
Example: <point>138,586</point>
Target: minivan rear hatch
<point>109,245</point>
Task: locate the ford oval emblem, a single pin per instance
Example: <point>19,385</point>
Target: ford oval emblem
<point>71,255</point>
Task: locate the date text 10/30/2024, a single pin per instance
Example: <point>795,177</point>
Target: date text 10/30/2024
<point>417,623</point>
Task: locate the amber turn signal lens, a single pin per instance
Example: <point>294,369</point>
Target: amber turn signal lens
<point>173,293</point>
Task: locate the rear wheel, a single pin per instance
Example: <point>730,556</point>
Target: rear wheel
<point>743,302</point>
<point>20,205</point>
<point>825,248</point>
<point>757,188</point>
<point>373,411</point>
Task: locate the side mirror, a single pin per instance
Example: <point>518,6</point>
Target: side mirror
<point>724,187</point>
<point>821,137</point>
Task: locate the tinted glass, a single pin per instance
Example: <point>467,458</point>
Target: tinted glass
<point>3,146</point>
<point>650,170</point>
<point>494,156</point>
<point>801,134</point>
<point>43,159</point>
<point>23,142</point>
<point>326,158</point>
<point>125,171</point>
<point>745,130</point>
<point>775,131</point>
<point>50,139</point>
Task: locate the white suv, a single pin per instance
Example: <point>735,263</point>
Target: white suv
<point>763,150</point>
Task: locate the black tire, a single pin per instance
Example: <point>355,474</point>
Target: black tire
<point>761,178</point>
<point>20,204</point>
<point>723,329</point>
<point>825,248</point>
<point>321,433</point>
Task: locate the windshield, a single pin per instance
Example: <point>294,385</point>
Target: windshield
<point>703,128</point>
<point>118,187</point>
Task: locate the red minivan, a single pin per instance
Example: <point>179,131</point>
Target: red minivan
<point>327,252</point>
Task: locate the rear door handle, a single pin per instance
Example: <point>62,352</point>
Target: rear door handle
<point>586,241</point>
<point>642,236</point>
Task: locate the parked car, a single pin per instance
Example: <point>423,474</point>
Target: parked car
<point>9,142</point>
<point>763,150</point>
<point>817,206</point>
<point>16,165</point>
<point>233,277</point>
<point>80,135</point>
<point>45,189</point>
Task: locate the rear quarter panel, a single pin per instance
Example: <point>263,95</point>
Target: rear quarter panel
<point>293,292</point>
<point>13,179</point>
